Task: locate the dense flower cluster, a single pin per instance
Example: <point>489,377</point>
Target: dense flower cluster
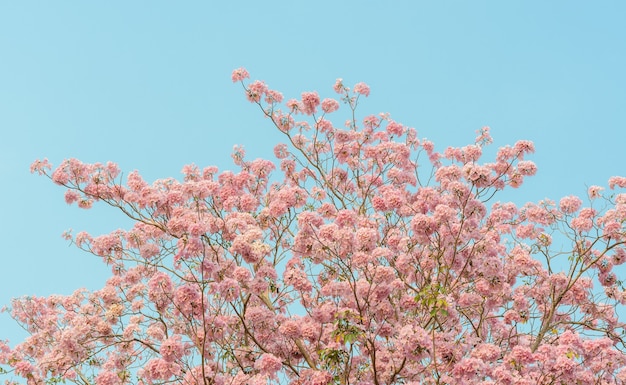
<point>344,263</point>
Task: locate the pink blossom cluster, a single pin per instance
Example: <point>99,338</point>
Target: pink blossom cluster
<point>363,255</point>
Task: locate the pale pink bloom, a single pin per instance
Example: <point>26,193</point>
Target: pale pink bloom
<point>188,300</point>
<point>137,305</point>
<point>107,378</point>
<point>330,105</point>
<point>268,364</point>
<point>472,153</point>
<point>366,239</point>
<point>297,279</point>
<point>273,97</point>
<point>157,369</point>
<point>594,191</point>
<point>288,166</point>
<point>370,123</point>
<point>469,369</point>
<point>239,75</point>
<point>316,377</point>
<point>362,88</point>
<point>581,224</point>
<point>40,167</point>
<point>149,250</point>
<point>294,105</point>
<point>256,90</point>
<point>24,368</point>
<point>515,180</point>
<point>229,289</point>
<point>242,274</point>
<point>335,289</point>
<point>160,289</point>
<point>338,86</point>
<point>346,217</point>
<point>394,128</point>
<point>570,204</point>
<point>290,329</point>
<point>619,256</point>
<point>619,181</point>
<point>511,316</point>
<point>60,176</point>
<point>324,126</point>
<point>483,138</point>
<point>72,196</point>
<point>524,147</point>
<point>310,101</point>
<point>281,151</point>
<point>318,193</point>
<point>422,224</point>
<point>469,299</point>
<point>208,172</point>
<point>478,175</point>
<point>155,331</point>
<point>384,274</point>
<point>379,203</point>
<point>171,348</point>
<point>526,168</point>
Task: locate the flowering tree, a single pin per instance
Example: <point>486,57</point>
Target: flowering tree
<point>351,265</point>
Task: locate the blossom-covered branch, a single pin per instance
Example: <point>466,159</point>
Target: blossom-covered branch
<point>362,256</point>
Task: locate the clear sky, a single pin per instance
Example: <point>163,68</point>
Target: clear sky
<point>147,84</point>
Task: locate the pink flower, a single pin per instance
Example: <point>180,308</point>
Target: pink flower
<point>619,181</point>
<point>294,105</point>
<point>188,300</point>
<point>310,101</point>
<point>330,105</point>
<point>171,348</point>
<point>316,377</point>
<point>394,128</point>
<point>158,369</point>
<point>372,122</point>
<point>241,274</point>
<point>71,196</point>
<point>483,138</point>
<point>160,289</point>
<point>366,239</point>
<point>273,97</point>
<point>256,90</point>
<point>290,329</point>
<point>107,378</point>
<point>24,368</point>
<point>268,364</point>
<point>60,176</point>
<point>594,191</point>
<point>524,147</point>
<point>362,88</point>
<point>149,250</point>
<point>281,151</point>
<point>379,203</point>
<point>338,87</point>
<point>40,167</point>
<point>229,289</point>
<point>478,175</point>
<point>239,74</point>
<point>570,204</point>
<point>527,168</point>
<point>155,331</point>
<point>324,126</point>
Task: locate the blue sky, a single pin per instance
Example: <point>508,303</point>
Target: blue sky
<point>147,84</point>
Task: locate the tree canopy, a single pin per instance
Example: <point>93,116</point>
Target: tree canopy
<point>360,256</point>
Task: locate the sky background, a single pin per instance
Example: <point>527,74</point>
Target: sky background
<point>147,84</point>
